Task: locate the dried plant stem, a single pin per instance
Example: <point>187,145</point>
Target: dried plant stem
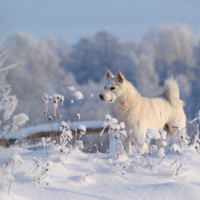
<point>88,174</point>
<point>81,106</point>
<point>122,168</point>
<point>178,168</point>
<point>11,177</point>
<point>173,164</point>
<point>163,157</point>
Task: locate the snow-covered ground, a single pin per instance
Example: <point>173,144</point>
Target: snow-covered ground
<point>66,180</point>
<point>98,176</point>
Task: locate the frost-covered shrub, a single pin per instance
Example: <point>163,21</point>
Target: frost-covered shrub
<point>8,103</point>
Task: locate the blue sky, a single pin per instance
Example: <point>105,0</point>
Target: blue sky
<point>127,19</point>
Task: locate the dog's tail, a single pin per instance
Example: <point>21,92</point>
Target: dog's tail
<point>171,91</point>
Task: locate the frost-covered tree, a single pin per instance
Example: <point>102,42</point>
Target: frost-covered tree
<point>107,52</point>
<point>143,56</point>
<point>38,71</point>
<point>195,81</point>
<point>61,48</point>
<point>82,59</point>
<point>92,55</point>
<point>111,54</point>
<point>173,47</point>
<point>172,42</point>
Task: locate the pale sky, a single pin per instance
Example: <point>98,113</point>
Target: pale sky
<point>127,19</point>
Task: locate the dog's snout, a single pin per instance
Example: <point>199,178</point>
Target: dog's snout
<point>101,96</point>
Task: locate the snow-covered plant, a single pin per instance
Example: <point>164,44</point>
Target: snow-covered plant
<point>177,166</point>
<point>8,106</point>
<point>56,98</point>
<point>69,126</point>
<point>8,123</point>
<point>197,118</point>
<point>195,144</point>
<point>38,171</point>
<point>8,102</point>
<point>72,98</point>
<point>196,141</point>
<point>7,170</point>
<point>158,147</point>
<point>65,138</point>
<point>116,134</point>
<point>79,143</point>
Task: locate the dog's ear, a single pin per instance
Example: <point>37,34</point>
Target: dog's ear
<point>109,74</point>
<point>120,77</point>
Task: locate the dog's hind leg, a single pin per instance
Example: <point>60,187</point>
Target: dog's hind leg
<point>146,147</point>
<point>169,134</point>
<point>128,147</point>
<point>181,128</point>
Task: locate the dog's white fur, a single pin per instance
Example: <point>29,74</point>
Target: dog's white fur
<point>139,113</point>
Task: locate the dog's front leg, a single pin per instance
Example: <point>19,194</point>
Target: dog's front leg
<point>128,147</point>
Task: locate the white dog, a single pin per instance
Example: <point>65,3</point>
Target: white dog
<point>139,113</point>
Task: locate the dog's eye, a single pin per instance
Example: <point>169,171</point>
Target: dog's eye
<point>105,88</point>
<point>112,88</point>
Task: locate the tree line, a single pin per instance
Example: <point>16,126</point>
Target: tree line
<point>51,65</point>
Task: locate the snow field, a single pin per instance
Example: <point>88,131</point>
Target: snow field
<point>60,171</point>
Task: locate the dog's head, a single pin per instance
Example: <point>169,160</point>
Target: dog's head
<point>114,87</point>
